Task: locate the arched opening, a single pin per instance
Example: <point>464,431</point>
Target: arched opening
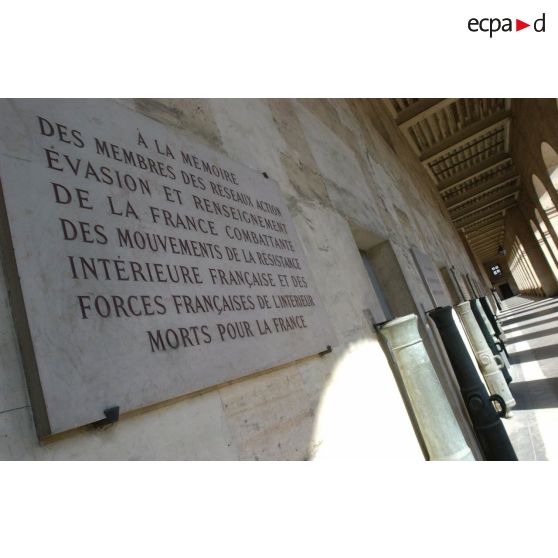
<point>522,270</point>
<point>550,258</point>
<point>546,234</point>
<point>550,158</point>
<point>546,202</point>
<point>543,194</point>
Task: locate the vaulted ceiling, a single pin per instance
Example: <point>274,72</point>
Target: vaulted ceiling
<point>464,144</point>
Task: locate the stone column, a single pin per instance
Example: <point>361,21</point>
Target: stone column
<point>491,315</point>
<point>540,267</point>
<point>487,363</point>
<point>438,425</point>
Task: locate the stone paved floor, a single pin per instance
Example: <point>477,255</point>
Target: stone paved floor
<point>531,327</point>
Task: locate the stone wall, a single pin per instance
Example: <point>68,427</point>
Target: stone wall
<point>346,173</point>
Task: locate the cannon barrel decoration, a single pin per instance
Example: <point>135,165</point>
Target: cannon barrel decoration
<point>484,327</point>
<point>490,315</point>
<point>497,342</point>
<point>494,322</point>
<point>490,431</point>
<point>491,304</point>
<point>493,376</point>
<point>496,300</point>
<point>498,339</point>
<point>439,428</point>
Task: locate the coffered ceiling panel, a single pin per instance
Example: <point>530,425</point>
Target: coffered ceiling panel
<point>464,145</point>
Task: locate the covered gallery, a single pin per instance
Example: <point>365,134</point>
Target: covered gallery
<point>291,316</point>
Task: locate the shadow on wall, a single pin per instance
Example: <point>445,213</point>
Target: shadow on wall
<point>360,413</point>
<point>344,405</point>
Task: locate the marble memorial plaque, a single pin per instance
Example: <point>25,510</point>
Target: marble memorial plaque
<point>149,265</point>
<point>431,278</point>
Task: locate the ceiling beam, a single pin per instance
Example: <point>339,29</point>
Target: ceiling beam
<point>488,204</point>
<point>489,213</point>
<point>481,188</point>
<point>496,219</point>
<point>420,110</point>
<point>484,169</point>
<point>485,231</point>
<point>494,239</point>
<point>487,250</point>
<point>466,134</point>
<point>487,255</point>
<point>478,202</point>
<point>481,238</point>
<point>493,250</point>
<point>473,171</point>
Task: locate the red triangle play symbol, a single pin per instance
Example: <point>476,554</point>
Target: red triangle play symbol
<point>519,25</point>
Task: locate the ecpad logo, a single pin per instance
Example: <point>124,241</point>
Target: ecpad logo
<point>494,24</point>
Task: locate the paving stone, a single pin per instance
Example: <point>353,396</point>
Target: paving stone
<point>533,345</point>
